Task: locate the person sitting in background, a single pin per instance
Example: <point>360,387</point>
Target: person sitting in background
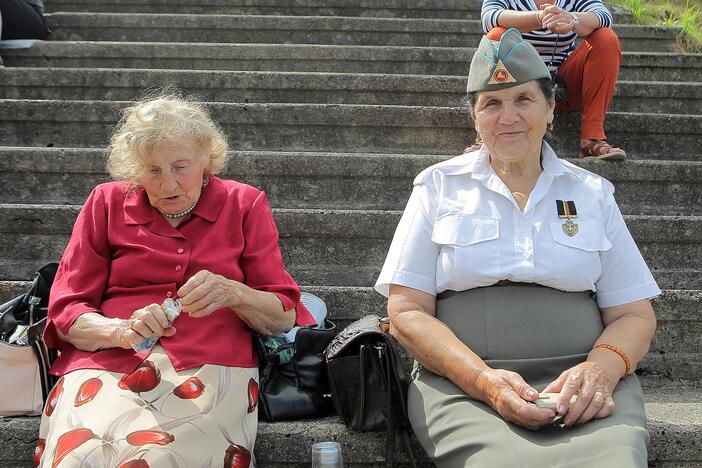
<point>589,70</point>
<point>167,228</point>
<point>22,19</point>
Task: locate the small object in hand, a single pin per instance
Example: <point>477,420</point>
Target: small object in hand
<point>172,310</point>
<point>549,400</point>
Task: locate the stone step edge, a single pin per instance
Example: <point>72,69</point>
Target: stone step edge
<point>346,164</point>
<point>383,25</point>
<point>671,424</point>
<point>11,288</point>
<point>338,223</point>
<point>468,51</point>
<point>358,81</point>
<point>695,219</point>
<point>363,114</point>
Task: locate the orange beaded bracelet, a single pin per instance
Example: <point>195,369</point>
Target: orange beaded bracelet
<point>627,362</point>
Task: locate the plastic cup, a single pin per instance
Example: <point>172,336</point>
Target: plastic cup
<point>327,455</point>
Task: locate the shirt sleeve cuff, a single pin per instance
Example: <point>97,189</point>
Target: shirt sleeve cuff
<point>405,278</point>
<point>625,296</point>
<point>302,315</point>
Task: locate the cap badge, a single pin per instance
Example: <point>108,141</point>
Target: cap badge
<point>501,74</point>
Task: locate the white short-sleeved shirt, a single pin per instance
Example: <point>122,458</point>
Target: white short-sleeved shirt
<point>463,229</point>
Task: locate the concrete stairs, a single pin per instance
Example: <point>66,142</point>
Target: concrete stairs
<point>332,107</point>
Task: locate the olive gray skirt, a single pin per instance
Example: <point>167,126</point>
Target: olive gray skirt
<point>538,332</point>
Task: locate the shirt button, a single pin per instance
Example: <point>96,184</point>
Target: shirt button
<point>169,294</point>
<point>178,267</point>
<point>181,250</point>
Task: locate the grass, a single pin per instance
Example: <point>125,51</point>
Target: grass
<point>687,14</point>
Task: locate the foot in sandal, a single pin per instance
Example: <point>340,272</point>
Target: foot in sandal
<point>600,149</point>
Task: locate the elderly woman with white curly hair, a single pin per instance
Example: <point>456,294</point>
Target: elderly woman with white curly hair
<point>168,228</point>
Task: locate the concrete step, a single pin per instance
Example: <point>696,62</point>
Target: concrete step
<point>335,180</point>
<point>673,423</point>
<point>289,87</point>
<point>342,127</point>
<point>675,350</point>
<point>674,353</point>
<point>651,66</point>
<point>141,27</point>
<point>456,9</point>
<point>331,247</point>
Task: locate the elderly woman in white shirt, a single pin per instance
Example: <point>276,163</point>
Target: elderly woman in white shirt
<point>490,280</point>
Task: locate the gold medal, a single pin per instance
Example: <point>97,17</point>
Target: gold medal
<point>567,210</point>
<point>570,228</point>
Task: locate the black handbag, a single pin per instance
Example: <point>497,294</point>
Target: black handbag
<point>368,382</point>
<point>293,379</point>
<point>22,322</point>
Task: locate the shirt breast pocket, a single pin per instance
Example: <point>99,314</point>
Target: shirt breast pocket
<point>470,249</point>
<point>579,254</point>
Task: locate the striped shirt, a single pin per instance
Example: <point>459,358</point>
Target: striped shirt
<point>544,40</point>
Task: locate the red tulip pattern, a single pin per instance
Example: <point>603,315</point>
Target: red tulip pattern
<point>87,391</point>
<point>190,389</point>
<point>139,438</point>
<point>144,379</point>
<point>253,395</point>
<point>39,451</point>
<point>135,464</point>
<point>237,456</point>
<point>53,398</point>
<point>69,442</point>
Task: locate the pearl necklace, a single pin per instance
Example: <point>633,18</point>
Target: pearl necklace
<point>179,215</point>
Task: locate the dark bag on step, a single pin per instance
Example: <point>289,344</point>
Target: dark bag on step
<point>293,381</point>
<point>24,358</point>
<point>368,382</point>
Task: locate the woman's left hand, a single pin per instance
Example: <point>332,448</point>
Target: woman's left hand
<point>557,20</point>
<point>593,388</point>
<point>206,292</point>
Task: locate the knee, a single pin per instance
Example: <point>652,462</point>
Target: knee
<point>496,33</point>
<point>604,39</point>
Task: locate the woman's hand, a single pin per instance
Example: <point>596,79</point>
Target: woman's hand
<point>593,388</point>
<point>206,292</point>
<point>142,324</point>
<point>556,19</point>
<point>508,394</point>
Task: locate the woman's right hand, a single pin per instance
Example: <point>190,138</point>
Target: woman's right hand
<point>508,394</point>
<point>142,324</point>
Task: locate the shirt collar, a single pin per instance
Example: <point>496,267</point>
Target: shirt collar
<point>553,165</point>
<point>212,199</point>
<point>138,210</point>
<point>478,163</point>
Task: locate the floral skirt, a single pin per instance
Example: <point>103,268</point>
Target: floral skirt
<point>153,417</point>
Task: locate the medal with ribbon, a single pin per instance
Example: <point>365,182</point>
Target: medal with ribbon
<point>567,210</point>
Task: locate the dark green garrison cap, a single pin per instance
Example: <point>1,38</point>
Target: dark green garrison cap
<point>509,62</point>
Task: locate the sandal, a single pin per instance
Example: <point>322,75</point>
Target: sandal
<point>602,150</point>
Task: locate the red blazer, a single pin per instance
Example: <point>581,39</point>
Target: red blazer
<point>123,255</point>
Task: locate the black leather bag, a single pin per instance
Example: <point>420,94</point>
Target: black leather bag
<point>295,387</point>
<point>22,322</point>
<point>368,382</point>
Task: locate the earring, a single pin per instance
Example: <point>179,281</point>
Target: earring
<point>549,127</point>
<point>205,180</point>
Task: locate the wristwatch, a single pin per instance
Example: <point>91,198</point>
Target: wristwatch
<point>576,20</point>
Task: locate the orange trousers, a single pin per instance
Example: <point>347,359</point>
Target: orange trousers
<point>590,74</point>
